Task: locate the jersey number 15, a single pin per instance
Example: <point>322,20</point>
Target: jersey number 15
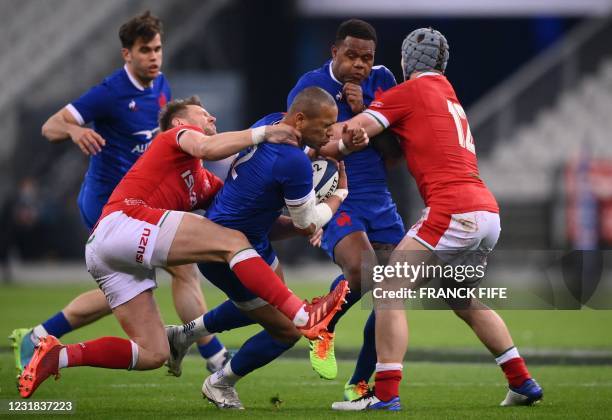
<point>465,137</point>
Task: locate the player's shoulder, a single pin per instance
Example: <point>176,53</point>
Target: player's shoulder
<point>161,78</point>
<point>110,85</point>
<point>161,82</point>
<point>381,71</point>
<point>380,79</point>
<point>116,80</point>
<point>290,161</point>
<point>317,77</point>
<point>428,79</point>
<point>287,153</point>
<point>270,119</point>
<point>172,135</point>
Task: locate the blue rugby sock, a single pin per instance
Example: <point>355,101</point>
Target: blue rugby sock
<point>213,347</point>
<point>366,362</point>
<point>225,317</point>
<point>256,352</point>
<point>57,325</point>
<point>351,299</point>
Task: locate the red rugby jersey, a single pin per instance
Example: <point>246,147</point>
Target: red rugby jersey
<point>164,178</point>
<point>437,144</point>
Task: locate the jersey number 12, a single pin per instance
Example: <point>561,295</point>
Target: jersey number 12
<point>465,138</point>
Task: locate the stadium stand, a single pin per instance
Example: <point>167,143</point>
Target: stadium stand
<point>529,128</point>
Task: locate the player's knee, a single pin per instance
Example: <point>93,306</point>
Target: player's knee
<point>158,357</point>
<point>235,241</point>
<point>158,353</point>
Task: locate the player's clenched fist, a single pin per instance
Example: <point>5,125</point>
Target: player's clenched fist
<point>354,139</point>
<point>282,133</point>
<point>360,138</point>
<point>88,140</point>
<point>354,96</point>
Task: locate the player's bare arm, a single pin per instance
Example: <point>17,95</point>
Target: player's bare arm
<point>363,120</point>
<point>283,228</point>
<point>63,126</point>
<point>220,146</point>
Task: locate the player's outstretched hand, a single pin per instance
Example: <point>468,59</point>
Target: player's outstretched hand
<point>282,133</point>
<point>354,96</point>
<point>88,140</point>
<point>315,238</point>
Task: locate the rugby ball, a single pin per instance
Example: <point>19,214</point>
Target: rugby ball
<point>324,178</point>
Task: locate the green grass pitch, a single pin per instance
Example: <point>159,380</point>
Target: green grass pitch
<point>429,390</point>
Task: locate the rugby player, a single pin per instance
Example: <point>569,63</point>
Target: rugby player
<point>124,110</point>
<point>461,215</point>
<point>362,224</point>
<point>146,224</point>
<point>262,180</point>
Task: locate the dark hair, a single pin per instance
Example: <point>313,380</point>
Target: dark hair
<point>145,26</point>
<point>356,28</point>
<point>310,101</point>
<point>175,108</point>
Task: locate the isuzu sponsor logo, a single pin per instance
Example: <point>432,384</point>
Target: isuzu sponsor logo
<point>142,245</point>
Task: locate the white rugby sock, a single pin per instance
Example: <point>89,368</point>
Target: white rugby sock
<point>383,367</point>
<point>195,330</point>
<point>63,358</point>
<point>134,355</point>
<point>218,358</point>
<point>38,332</point>
<point>301,317</point>
<point>225,376</point>
<point>511,353</point>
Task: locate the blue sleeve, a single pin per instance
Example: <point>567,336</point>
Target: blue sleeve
<point>95,104</point>
<point>293,171</point>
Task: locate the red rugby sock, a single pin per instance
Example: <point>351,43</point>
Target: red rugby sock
<point>516,371</point>
<point>260,279</point>
<point>386,385</point>
<point>106,352</point>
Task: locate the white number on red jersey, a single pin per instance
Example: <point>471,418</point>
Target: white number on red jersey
<point>465,138</point>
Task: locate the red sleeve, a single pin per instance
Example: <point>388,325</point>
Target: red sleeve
<point>391,106</point>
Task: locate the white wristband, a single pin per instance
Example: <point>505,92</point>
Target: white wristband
<point>341,193</point>
<point>258,134</point>
<point>343,149</point>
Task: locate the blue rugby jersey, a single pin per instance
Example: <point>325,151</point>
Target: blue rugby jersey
<point>365,169</point>
<point>260,181</point>
<point>125,114</point>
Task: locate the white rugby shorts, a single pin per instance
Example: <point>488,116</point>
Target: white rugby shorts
<point>123,251</point>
